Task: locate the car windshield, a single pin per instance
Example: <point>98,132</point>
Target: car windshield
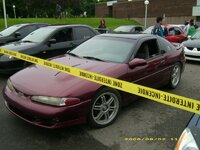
<point>10,30</point>
<point>196,35</point>
<point>123,29</point>
<point>106,49</point>
<point>39,35</point>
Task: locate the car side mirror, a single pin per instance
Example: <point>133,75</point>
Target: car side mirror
<point>137,62</point>
<point>52,41</point>
<point>17,34</point>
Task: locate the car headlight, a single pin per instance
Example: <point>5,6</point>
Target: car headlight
<point>186,141</point>
<point>10,85</point>
<point>6,57</point>
<point>55,101</point>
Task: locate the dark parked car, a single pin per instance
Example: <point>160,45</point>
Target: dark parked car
<point>18,32</point>
<point>172,33</point>
<point>190,138</point>
<point>45,43</point>
<point>129,29</point>
<point>53,99</point>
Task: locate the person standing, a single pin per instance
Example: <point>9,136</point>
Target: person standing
<point>191,30</point>
<point>102,24</point>
<point>58,10</point>
<point>158,30</point>
<point>187,25</point>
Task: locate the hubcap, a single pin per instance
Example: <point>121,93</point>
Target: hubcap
<point>176,75</point>
<point>105,108</point>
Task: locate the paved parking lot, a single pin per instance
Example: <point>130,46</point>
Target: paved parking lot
<point>144,119</point>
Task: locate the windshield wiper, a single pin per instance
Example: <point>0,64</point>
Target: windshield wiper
<point>72,54</point>
<point>93,58</point>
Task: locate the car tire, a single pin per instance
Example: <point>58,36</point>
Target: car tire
<point>105,108</point>
<point>175,76</point>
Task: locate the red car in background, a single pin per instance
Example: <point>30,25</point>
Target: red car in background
<point>172,33</point>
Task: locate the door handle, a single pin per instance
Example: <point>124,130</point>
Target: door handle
<point>162,62</point>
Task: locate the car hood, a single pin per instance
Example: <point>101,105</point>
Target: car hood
<point>38,80</point>
<point>19,46</point>
<point>192,43</point>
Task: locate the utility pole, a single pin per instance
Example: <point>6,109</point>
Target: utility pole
<point>5,15</point>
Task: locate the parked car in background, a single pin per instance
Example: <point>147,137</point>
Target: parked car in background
<point>45,43</point>
<point>103,30</point>
<point>190,138</point>
<point>67,100</point>
<point>174,34</point>
<point>182,26</point>
<point>18,32</point>
<point>192,47</point>
<point>129,29</point>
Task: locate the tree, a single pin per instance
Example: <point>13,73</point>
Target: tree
<point>46,8</point>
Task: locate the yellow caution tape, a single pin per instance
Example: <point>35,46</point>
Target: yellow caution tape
<point>173,100</point>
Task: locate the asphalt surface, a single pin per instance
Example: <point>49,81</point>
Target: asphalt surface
<point>142,119</point>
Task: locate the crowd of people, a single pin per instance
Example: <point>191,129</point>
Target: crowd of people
<point>190,27</point>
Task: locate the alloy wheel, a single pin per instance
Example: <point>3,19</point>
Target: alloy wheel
<point>105,108</point>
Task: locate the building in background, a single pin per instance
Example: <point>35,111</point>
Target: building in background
<point>175,11</point>
<point>196,11</point>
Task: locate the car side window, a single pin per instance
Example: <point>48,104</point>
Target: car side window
<point>143,52</point>
<point>148,49</point>
<point>138,29</point>
<point>165,45</point>
<point>26,30</point>
<point>171,31</point>
<point>177,31</point>
<point>83,33</point>
<point>63,35</point>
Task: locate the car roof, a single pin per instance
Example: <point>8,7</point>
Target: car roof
<point>67,25</point>
<point>130,26</point>
<point>25,24</point>
<point>128,36</point>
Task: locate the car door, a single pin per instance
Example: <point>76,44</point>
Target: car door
<point>151,74</point>
<point>59,43</point>
<point>82,34</point>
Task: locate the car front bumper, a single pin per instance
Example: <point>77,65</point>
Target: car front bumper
<point>45,116</point>
<point>192,54</point>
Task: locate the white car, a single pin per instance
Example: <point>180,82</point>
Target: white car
<point>192,47</point>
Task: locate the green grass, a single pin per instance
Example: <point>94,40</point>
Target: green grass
<point>93,22</point>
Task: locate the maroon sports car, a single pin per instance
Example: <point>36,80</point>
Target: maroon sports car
<point>52,99</point>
